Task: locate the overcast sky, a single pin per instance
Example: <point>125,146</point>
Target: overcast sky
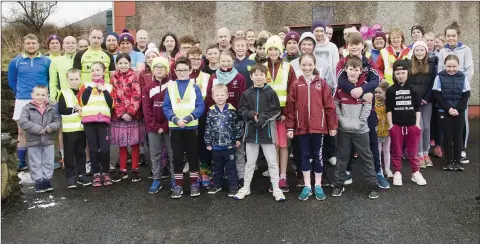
<point>69,12</point>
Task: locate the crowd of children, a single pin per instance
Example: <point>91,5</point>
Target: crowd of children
<point>209,115</point>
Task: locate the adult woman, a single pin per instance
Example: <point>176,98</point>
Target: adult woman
<point>395,50</point>
<point>379,41</point>
<point>169,47</point>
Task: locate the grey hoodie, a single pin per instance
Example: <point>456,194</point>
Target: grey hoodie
<point>322,65</point>
<point>463,53</point>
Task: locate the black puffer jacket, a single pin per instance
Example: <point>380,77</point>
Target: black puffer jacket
<point>422,83</point>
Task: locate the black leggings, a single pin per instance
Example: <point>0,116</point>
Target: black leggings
<point>184,141</point>
<point>97,138</point>
<point>452,128</point>
<point>74,144</point>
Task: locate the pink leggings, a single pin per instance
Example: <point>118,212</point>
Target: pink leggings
<point>385,148</point>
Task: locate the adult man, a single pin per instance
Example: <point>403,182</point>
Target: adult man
<point>324,47</point>
<point>94,53</point>
<point>142,41</point>
<point>82,44</point>
<point>59,67</point>
<point>54,44</point>
<point>250,36</point>
<point>329,32</point>
<point>240,33</point>
<point>111,43</point>
<point>291,45</point>
<point>125,42</point>
<point>25,72</point>
<point>223,39</point>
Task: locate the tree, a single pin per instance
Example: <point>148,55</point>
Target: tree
<point>31,14</point>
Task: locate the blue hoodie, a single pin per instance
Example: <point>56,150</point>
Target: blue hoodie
<point>24,73</point>
<point>199,104</point>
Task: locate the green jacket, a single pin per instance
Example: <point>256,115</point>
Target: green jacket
<point>58,74</point>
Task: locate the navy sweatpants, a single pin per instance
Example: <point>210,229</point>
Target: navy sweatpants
<point>311,148</point>
<point>224,161</point>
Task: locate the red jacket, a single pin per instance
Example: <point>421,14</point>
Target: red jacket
<point>235,90</point>
<point>152,103</point>
<point>310,108</point>
<point>145,77</point>
<point>381,63</point>
<point>127,95</point>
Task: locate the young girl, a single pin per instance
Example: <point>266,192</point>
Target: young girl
<point>96,103</point>
<point>127,128</point>
<point>422,74</point>
<point>213,56</point>
<point>226,74</point>
<point>452,90</point>
<point>465,65</point>
<point>395,50</point>
<point>382,133</point>
<point>439,43</point>
<point>145,77</point>
<point>403,114</point>
<point>311,113</point>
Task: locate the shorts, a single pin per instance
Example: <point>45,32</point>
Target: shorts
<point>19,104</point>
<point>281,134</point>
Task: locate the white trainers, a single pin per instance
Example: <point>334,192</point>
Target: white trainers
<point>389,173</point>
<point>349,179</point>
<point>266,174</point>
<point>186,168</point>
<point>278,194</point>
<point>333,161</point>
<point>397,179</point>
<point>417,177</point>
<point>242,193</point>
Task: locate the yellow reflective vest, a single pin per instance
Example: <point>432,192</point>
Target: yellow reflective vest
<point>96,105</point>
<point>280,84</point>
<point>389,58</point>
<point>182,107</point>
<point>71,122</point>
<point>202,82</point>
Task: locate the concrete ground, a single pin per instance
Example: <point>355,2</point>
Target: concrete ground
<point>444,211</point>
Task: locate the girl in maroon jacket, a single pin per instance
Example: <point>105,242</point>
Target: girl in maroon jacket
<point>127,128</point>
<point>310,115</point>
<point>155,120</point>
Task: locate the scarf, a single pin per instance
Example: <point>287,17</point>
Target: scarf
<point>98,81</point>
<point>225,77</point>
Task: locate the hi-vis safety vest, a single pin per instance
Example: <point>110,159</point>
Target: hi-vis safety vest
<point>280,84</point>
<point>388,60</point>
<point>345,53</point>
<point>96,103</point>
<point>182,107</point>
<point>202,82</point>
<point>71,122</point>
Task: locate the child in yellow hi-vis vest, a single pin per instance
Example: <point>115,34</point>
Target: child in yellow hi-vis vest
<point>74,139</point>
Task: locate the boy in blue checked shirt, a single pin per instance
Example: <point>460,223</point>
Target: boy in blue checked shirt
<point>222,135</point>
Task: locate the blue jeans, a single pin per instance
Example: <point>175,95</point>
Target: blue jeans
<point>311,148</point>
<point>224,161</point>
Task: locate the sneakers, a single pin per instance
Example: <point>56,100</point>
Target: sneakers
<point>382,182</point>
<point>56,165</point>
<point>428,161</point>
<point>172,184</point>
<point>417,177</point>
<point>421,162</point>
<point>438,152</point>
<point>204,179</point>
<point>213,190</point>
<point>305,194</point>
<point>319,195</point>
<point>464,159</point>
<point>136,176</point>
<point>194,190</point>
<point>106,180</point>
<point>349,180</point>
<point>266,174</point>
<point>374,192</point>
<point>448,165</point>
<point>121,175</point>
<point>156,186</point>
<point>47,185</point>
<point>397,179</point>
<point>242,193</point>
<point>458,166</point>
<point>300,183</point>
<point>177,192</point>
<point>284,185</point>
<point>22,166</point>
<point>39,188</point>
<point>333,161</point>
<point>337,191</point>
<point>72,182</point>
<point>278,195</point>
<point>88,167</point>
<point>389,173</point>
<point>232,193</point>
<point>111,169</point>
<point>97,180</point>
<point>84,180</point>
<point>186,168</point>
<point>270,189</point>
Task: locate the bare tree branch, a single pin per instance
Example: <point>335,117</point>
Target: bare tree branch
<point>31,14</point>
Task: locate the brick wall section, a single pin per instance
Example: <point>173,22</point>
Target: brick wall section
<point>122,10</point>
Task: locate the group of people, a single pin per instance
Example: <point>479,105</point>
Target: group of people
<point>215,109</point>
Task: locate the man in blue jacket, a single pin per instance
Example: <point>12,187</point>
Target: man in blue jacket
<point>25,72</point>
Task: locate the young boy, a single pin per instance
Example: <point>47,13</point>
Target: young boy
<point>183,105</point>
<point>242,63</point>
<point>156,123</point>
<point>223,133</point>
<point>260,56</point>
<point>260,108</point>
<point>353,130</point>
<point>74,139</point>
<point>40,121</point>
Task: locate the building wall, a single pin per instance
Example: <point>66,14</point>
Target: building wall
<point>204,18</point>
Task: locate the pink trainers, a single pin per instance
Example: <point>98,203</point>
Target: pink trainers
<point>421,162</point>
<point>438,152</point>
<point>428,161</point>
<point>106,180</point>
<point>97,180</point>
<point>284,185</point>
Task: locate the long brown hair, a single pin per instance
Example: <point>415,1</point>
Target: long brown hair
<point>419,66</point>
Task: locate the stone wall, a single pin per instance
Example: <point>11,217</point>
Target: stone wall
<point>204,18</point>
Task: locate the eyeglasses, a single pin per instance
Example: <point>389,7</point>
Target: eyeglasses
<point>195,59</point>
<point>159,67</point>
<point>182,71</point>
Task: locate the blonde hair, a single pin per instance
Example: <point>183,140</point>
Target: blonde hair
<point>396,31</point>
<point>219,87</point>
<point>429,34</point>
<point>419,66</point>
<point>30,37</point>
